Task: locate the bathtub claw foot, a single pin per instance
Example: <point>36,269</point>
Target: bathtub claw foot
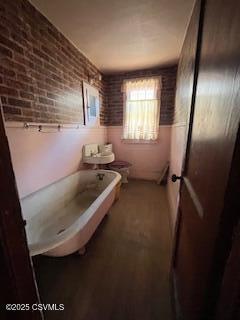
<point>82,251</point>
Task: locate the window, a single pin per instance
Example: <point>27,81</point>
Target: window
<point>142,109</point>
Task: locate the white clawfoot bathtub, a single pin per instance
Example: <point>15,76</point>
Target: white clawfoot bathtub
<point>62,217</point>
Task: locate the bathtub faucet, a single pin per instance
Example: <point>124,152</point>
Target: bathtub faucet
<point>100,176</point>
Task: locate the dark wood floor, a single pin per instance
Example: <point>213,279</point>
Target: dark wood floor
<point>124,274</point>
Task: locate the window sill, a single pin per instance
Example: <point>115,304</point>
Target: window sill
<point>133,141</point>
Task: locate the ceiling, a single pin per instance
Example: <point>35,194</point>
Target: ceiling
<point>122,35</point>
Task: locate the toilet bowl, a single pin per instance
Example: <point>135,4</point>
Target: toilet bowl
<point>122,167</point>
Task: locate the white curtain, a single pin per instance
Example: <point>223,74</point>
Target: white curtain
<point>142,108</point>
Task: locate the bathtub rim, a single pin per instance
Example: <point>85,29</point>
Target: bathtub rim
<point>78,225</point>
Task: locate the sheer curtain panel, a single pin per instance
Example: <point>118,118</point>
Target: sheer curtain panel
<point>141,109</point>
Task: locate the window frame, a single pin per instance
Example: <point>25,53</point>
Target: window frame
<point>140,141</point>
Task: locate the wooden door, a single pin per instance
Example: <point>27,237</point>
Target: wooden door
<point>186,86</point>
<point>229,301</point>
<point>211,142</point>
<point>229,284</point>
<point>17,284</point>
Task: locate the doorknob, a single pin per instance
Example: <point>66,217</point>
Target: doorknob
<point>175,178</point>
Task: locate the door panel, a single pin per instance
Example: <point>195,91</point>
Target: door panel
<point>229,284</point>
<point>229,306</point>
<point>209,156</point>
<point>184,93</point>
<point>191,263</point>
<point>186,68</point>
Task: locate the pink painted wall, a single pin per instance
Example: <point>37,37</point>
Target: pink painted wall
<point>177,143</point>
<point>147,160</point>
<point>41,158</point>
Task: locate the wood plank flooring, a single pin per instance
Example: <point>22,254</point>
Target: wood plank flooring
<point>124,274</point>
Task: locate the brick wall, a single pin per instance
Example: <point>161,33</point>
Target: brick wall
<point>41,72</point>
<point>114,110</point>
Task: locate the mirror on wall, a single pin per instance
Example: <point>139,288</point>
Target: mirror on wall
<point>91,105</point>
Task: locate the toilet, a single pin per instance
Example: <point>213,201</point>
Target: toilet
<point>121,167</point>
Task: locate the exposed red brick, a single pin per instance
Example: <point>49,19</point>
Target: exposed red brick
<point>39,68</point>
<point>46,101</point>
<point>19,103</point>
<point>115,95</point>
<point>24,78</point>
<point>10,44</point>
<point>12,83</point>
<point>4,30</point>
<point>26,95</point>
<point>8,91</point>
<point>11,65</point>
<point>12,110</point>
<point>4,52</point>
<point>40,54</point>
<point>41,73</point>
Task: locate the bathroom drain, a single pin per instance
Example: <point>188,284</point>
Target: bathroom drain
<point>60,231</point>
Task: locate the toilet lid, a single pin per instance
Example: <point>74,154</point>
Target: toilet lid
<point>119,164</point>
